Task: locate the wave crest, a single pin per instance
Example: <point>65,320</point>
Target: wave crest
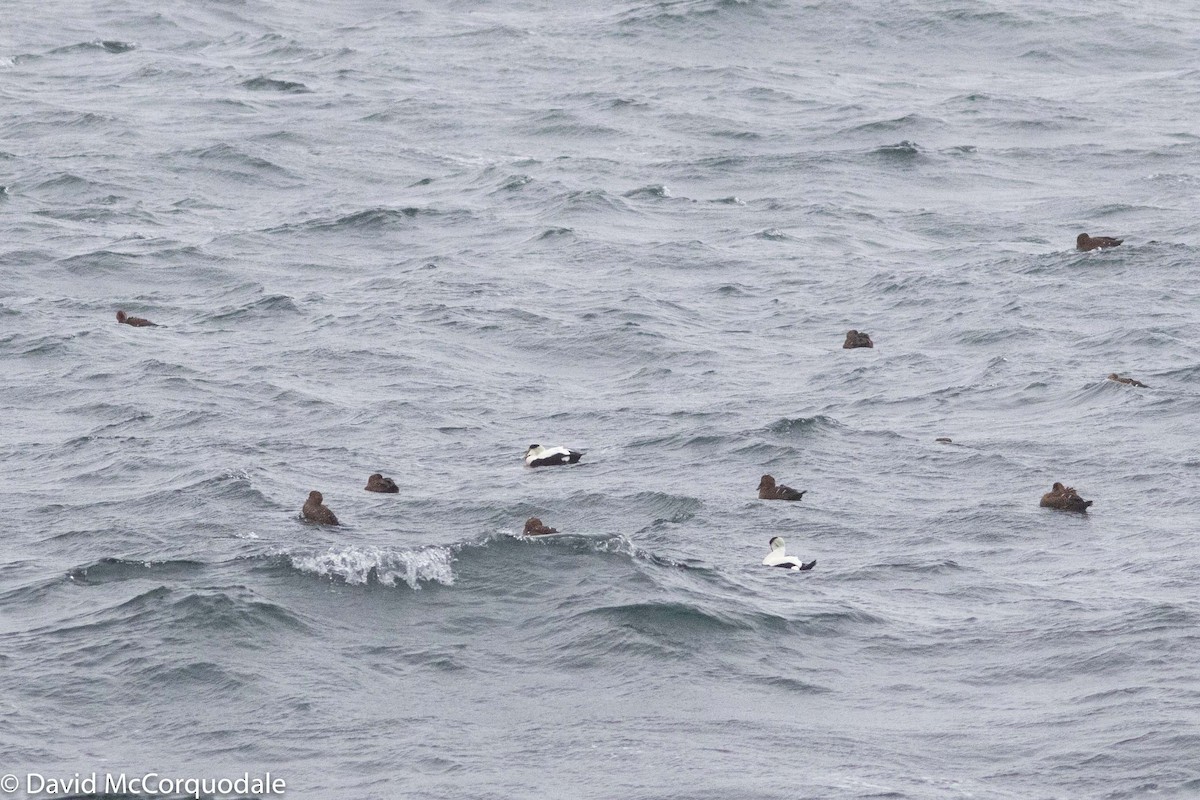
<point>361,565</point>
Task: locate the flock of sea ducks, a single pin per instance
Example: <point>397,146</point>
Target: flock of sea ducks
<point>1063,498</point>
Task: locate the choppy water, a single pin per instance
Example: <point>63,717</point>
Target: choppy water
<point>415,239</point>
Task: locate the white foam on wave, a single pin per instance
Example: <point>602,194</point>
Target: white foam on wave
<point>357,565</point>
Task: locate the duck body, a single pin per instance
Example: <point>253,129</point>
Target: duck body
<point>778,557</point>
<point>137,322</point>
<point>315,511</point>
<point>538,456</point>
<point>1064,498</point>
<point>378,483</point>
<point>857,339</point>
<point>1129,381</point>
<point>534,527</point>
<point>1085,242</point>
<point>767,490</point>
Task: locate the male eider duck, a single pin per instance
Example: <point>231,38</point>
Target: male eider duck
<point>778,558</point>
<point>538,456</point>
<point>857,339</point>
<point>378,483</point>
<point>534,527</point>
<point>314,511</point>
<point>1085,242</point>
<point>136,322</point>
<point>767,490</point>
<point>1130,381</point>
<point>1064,498</point>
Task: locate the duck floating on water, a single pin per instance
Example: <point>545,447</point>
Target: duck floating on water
<point>534,527</point>
<point>1064,498</point>
<point>1085,242</point>
<point>857,339</point>
<point>1130,381</point>
<point>137,322</point>
<point>779,558</point>
<point>538,456</point>
<point>767,490</point>
<point>315,511</point>
<point>378,483</point>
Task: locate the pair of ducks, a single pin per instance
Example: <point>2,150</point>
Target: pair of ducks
<point>853,338</point>
<point>767,491</point>
<point>778,557</point>
<point>538,456</point>
<point>315,510</point>
<point>1082,242</point>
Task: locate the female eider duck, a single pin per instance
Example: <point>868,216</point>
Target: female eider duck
<point>767,490</point>
<point>857,339</point>
<point>137,322</point>
<point>1064,498</point>
<point>534,527</point>
<point>1129,381</point>
<point>538,456</point>
<point>315,511</point>
<point>778,558</point>
<point>378,483</point>
<point>1085,242</point>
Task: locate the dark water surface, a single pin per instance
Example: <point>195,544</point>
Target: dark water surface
<point>413,239</point>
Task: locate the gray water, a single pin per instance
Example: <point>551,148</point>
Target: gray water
<point>414,240</point>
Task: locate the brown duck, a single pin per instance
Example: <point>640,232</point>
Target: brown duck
<point>534,527</point>
<point>1131,381</point>
<point>767,490</point>
<point>857,339</point>
<point>1085,242</point>
<point>378,483</point>
<point>315,511</point>
<point>1064,498</point>
<point>136,322</point>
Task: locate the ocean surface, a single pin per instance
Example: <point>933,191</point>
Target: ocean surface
<point>415,238</point>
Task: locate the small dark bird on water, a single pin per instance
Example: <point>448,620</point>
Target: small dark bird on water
<point>315,511</point>
<point>534,527</point>
<point>857,339</point>
<point>378,483</point>
<point>767,490</point>
<point>136,322</point>
<point>1085,242</point>
<point>1131,381</point>
<point>1064,498</point>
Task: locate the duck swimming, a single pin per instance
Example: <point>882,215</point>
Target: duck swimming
<point>767,490</point>
<point>1130,381</point>
<point>136,322</point>
<point>857,339</point>
<point>315,511</point>
<point>1064,498</point>
<point>1085,242</point>
<point>378,483</point>
<point>534,527</point>
<point>778,558</point>
<point>538,456</point>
